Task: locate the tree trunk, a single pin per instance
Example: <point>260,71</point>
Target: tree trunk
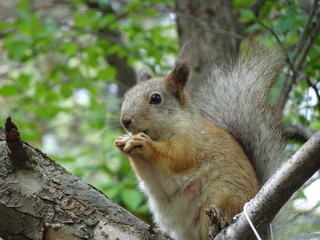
<point>210,25</point>
<point>41,200</point>
<point>206,31</point>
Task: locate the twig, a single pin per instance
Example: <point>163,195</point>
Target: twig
<point>255,7</point>
<point>304,31</point>
<point>308,44</point>
<point>298,132</point>
<point>315,89</point>
<point>316,58</point>
<point>286,86</point>
<point>17,153</point>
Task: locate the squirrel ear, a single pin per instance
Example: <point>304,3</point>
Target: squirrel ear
<point>143,76</point>
<point>178,76</point>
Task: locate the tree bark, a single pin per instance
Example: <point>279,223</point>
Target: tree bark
<point>210,25</point>
<point>41,200</point>
<point>55,204</point>
<point>206,31</point>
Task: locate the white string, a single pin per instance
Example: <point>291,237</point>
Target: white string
<point>271,231</point>
<point>249,221</point>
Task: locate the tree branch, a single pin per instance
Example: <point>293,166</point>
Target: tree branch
<point>298,132</point>
<point>273,195</point>
<point>41,200</point>
<point>304,31</point>
<point>308,45</point>
<point>287,85</point>
<point>315,89</point>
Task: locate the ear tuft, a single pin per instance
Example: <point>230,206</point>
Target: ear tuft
<point>143,76</point>
<point>178,76</point>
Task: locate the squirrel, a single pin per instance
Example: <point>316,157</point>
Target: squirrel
<point>216,148</point>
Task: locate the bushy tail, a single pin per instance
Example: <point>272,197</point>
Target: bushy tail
<point>236,98</point>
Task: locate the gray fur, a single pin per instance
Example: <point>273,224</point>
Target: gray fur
<point>235,97</point>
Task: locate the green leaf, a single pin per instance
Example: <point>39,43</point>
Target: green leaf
<point>9,90</point>
<point>242,3</point>
<point>253,27</point>
<point>247,15</point>
<point>107,73</point>
<point>18,46</point>
<point>286,24</point>
<point>66,90</point>
<point>112,193</point>
<point>300,195</point>
<point>69,48</point>
<point>24,6</point>
<point>142,209</point>
<point>24,80</point>
<point>132,198</point>
<point>315,124</point>
<point>6,25</point>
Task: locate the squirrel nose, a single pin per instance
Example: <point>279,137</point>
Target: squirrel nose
<point>126,122</point>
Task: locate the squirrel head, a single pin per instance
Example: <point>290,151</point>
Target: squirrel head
<point>156,106</point>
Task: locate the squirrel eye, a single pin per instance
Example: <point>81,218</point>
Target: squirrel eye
<point>155,99</point>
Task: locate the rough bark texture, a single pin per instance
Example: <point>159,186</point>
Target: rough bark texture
<point>206,30</point>
<point>210,25</point>
<point>41,200</point>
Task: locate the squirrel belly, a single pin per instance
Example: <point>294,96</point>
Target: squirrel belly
<point>221,176</point>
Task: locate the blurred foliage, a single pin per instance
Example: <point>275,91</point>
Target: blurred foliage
<point>59,89</point>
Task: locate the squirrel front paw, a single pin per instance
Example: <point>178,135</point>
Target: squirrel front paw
<point>121,141</point>
<point>132,144</point>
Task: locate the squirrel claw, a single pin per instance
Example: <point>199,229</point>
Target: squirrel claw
<point>132,144</point>
<point>121,141</point>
